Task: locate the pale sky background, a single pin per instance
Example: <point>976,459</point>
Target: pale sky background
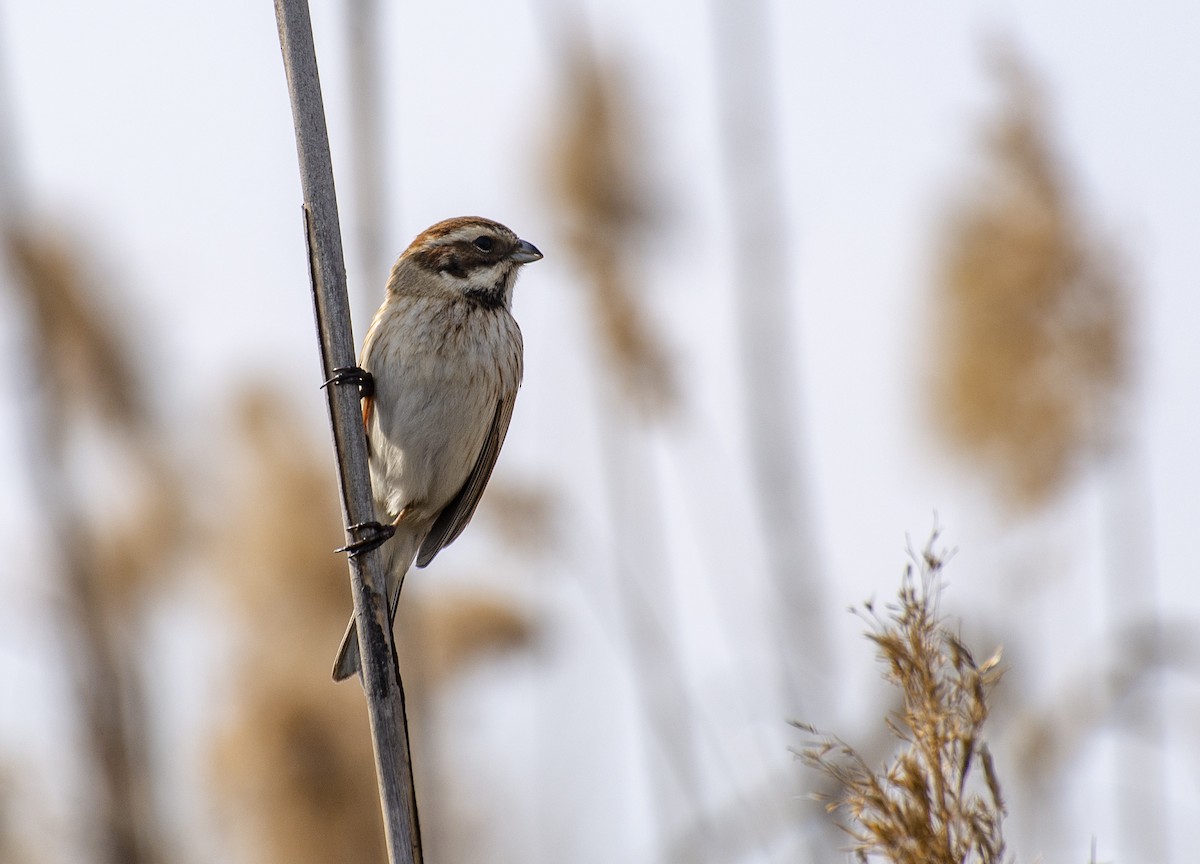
<point>161,133</point>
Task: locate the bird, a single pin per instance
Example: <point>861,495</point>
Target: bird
<point>443,359</point>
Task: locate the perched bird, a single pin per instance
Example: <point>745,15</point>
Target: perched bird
<point>445,356</point>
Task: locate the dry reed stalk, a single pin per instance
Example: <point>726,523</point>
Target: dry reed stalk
<point>364,35</point>
<point>380,672</point>
<point>927,805</point>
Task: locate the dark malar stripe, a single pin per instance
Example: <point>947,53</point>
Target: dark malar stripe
<point>488,298</point>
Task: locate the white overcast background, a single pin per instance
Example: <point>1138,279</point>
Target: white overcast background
<point>161,134</point>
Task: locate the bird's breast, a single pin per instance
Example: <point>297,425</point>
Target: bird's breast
<point>440,368</point>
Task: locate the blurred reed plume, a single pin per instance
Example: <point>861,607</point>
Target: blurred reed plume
<point>1031,385</point>
<point>88,364</point>
<point>113,514</point>
<point>927,805</point>
<point>17,834</point>
<point>525,513</point>
<point>1032,315</point>
<point>294,771</point>
<point>294,768</point>
<point>607,211</point>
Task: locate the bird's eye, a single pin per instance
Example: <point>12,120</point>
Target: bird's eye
<point>484,243</point>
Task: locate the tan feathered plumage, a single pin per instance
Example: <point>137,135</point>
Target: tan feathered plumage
<point>446,357</point>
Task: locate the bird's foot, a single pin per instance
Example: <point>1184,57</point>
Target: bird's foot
<point>367,536</point>
<point>354,375</point>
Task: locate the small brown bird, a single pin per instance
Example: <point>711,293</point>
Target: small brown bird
<point>446,357</point>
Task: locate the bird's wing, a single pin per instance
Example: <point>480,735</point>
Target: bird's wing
<point>455,515</point>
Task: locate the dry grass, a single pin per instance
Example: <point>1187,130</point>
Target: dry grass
<point>937,801</point>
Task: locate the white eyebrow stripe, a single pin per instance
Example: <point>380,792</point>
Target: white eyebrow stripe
<point>466,234</point>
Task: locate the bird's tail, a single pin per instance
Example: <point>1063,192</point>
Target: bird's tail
<point>399,552</point>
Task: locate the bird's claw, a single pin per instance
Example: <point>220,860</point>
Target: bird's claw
<point>353,375</point>
<point>367,536</point>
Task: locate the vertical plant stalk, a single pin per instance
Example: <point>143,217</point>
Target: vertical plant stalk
<point>1134,610</point>
<point>767,339</point>
<point>366,141</point>
<point>380,671</point>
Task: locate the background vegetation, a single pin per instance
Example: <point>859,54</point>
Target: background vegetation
<point>604,667</point>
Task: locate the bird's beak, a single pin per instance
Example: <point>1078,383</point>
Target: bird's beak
<point>525,253</point>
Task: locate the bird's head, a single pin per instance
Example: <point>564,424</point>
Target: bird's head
<point>475,257</point>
